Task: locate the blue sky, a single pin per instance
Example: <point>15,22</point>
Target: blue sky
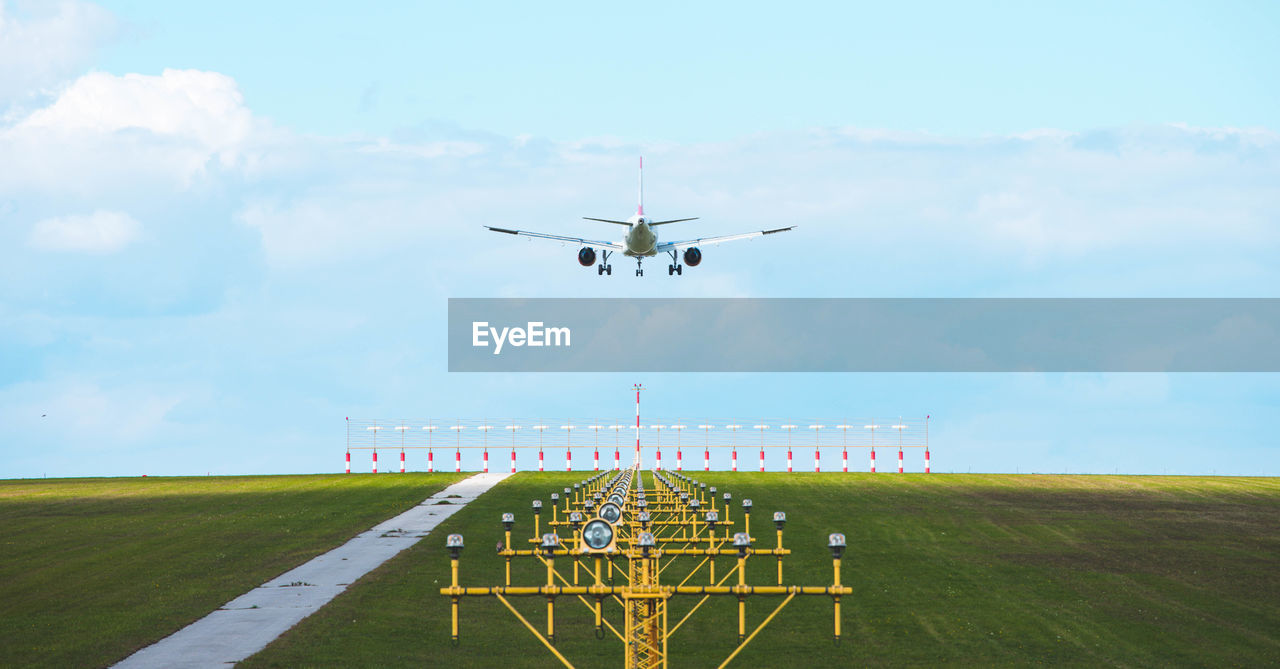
<point>224,229</point>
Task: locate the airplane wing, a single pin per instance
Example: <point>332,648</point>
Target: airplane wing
<point>668,246</point>
<point>561,238</point>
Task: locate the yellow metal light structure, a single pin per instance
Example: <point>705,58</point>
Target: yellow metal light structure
<point>654,529</point>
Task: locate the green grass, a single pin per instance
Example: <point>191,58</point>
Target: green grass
<point>960,570</point>
<point>94,569</point>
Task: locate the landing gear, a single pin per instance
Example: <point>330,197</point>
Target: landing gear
<point>675,267</point>
<point>604,267</point>
<point>639,269</point>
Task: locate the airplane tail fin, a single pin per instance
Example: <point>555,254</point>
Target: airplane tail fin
<point>640,205</point>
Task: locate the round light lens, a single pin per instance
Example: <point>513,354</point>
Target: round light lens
<point>611,512</point>
<point>597,534</point>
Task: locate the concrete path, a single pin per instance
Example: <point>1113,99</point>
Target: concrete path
<point>246,624</point>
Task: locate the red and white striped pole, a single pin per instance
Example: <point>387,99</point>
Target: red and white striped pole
<point>844,460</point>
<point>817,460</point>
<point>734,461</point>
<point>540,459</point>
<point>348,462</point>
<point>873,459</point>
<point>617,457</point>
<point>679,460</point>
<point>899,459</point>
<point>431,461</point>
<point>788,459</point>
<point>706,459</point>
<point>595,459</point>
<point>762,458</point>
<point>402,461</point>
<point>375,462</point>
<point>457,460</point>
<point>926,443</point>
<point>659,463</point>
<point>513,461</point>
<point>568,459</point>
<point>486,461</point>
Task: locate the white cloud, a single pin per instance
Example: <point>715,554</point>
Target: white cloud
<point>139,135</point>
<point>206,107</point>
<point>42,47</point>
<point>99,232</point>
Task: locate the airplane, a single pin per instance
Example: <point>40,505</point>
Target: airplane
<point>640,240</point>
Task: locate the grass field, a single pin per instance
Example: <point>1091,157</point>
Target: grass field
<point>960,570</point>
<point>93,569</point>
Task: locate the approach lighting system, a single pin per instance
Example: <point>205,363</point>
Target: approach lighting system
<point>642,555</point>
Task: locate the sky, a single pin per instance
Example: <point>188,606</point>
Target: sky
<point>225,229</point>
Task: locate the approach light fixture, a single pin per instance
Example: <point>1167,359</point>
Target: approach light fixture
<point>550,541</point>
<point>508,519</point>
<point>597,537</point>
<point>746,505</point>
<point>779,519</point>
<point>836,543</point>
<point>610,512</point>
<point>454,543</point>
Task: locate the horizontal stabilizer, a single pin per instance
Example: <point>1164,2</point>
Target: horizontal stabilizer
<point>606,220</point>
<point>674,220</point>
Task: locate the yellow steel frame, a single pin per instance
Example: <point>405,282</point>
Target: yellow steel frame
<point>644,599</point>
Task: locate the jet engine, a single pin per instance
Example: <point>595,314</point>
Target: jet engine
<point>692,256</point>
<point>587,256</point>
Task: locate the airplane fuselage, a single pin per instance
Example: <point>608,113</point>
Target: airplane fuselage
<point>641,240</point>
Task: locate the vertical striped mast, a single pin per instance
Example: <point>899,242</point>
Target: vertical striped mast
<point>637,461</point>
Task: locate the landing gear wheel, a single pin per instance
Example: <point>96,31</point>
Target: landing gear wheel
<point>599,270</point>
<point>639,272</point>
<point>680,270</point>
<point>671,269</point>
<point>608,269</point>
